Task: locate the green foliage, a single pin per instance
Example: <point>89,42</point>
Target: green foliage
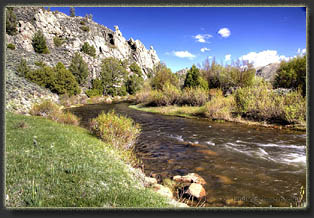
<point>96,90</point>
<point>79,68</point>
<point>23,69</point>
<point>40,63</point>
<point>64,81</point>
<point>292,74</point>
<point>39,43</point>
<point>84,28</point>
<point>11,46</point>
<point>115,129</point>
<point>135,81</point>
<point>82,22</point>
<point>10,22</point>
<point>89,49</point>
<point>162,76</point>
<point>193,79</point>
<point>58,41</point>
<point>58,79</point>
<point>262,103</point>
<point>72,12</point>
<point>220,107</point>
<point>113,75</point>
<point>194,96</point>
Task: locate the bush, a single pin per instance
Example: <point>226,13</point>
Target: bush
<point>52,111</point>
<point>294,107</point>
<point>88,49</point>
<point>82,22</point>
<point>113,75</point>
<point>58,79</point>
<point>220,107</point>
<point>11,46</point>
<point>10,22</point>
<point>79,68</point>
<point>116,130</point>
<point>58,41</point>
<point>39,43</point>
<point>163,75</point>
<point>93,92</point>
<point>23,69</point>
<point>84,28</point>
<point>292,74</point>
<point>194,96</point>
<point>171,94</point>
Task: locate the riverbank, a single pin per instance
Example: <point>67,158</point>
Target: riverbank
<point>197,112</point>
<point>55,165</point>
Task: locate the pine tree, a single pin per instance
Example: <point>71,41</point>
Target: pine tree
<point>79,68</point>
<point>72,12</point>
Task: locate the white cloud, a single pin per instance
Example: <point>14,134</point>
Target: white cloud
<point>227,57</point>
<point>183,54</point>
<point>210,57</point>
<point>301,52</point>
<point>205,49</point>
<point>263,58</point>
<point>224,32</point>
<point>202,37</point>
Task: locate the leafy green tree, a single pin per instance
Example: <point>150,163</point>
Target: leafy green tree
<point>113,75</point>
<point>72,12</point>
<point>89,49</point>
<point>163,74</point>
<point>135,81</point>
<point>39,43</point>
<point>292,74</point>
<point>79,68</point>
<point>10,21</point>
<point>193,79</point>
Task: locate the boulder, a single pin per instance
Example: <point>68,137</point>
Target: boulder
<point>190,178</point>
<point>196,190</point>
<point>164,191</point>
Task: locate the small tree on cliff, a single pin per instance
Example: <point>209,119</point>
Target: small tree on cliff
<point>79,68</point>
<point>72,12</point>
<point>39,43</point>
<point>10,23</point>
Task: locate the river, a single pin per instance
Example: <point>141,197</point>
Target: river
<point>257,166</point>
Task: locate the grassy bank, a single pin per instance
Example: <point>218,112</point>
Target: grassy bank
<point>56,165</point>
<point>199,112</point>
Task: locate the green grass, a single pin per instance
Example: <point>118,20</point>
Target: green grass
<point>67,167</point>
<point>173,110</point>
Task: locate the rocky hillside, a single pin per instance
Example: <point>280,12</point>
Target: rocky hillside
<point>74,31</point>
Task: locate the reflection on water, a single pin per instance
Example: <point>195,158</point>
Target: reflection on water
<point>255,165</point>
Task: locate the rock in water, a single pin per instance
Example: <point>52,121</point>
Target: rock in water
<point>196,190</point>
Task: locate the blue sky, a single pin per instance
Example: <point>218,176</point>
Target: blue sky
<point>183,36</point>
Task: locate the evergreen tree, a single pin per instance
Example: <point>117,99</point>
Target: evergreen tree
<point>72,12</point>
<point>39,43</point>
<point>79,68</point>
<point>193,79</point>
<point>10,21</point>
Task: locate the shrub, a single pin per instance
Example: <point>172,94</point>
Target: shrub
<point>40,63</point>
<point>194,96</point>
<point>135,81</point>
<point>82,22</point>
<point>88,49</point>
<point>58,79</point>
<point>52,111</point>
<point>163,75</point>
<point>79,68</point>
<point>113,75</point>
<point>220,107</point>
<point>10,22</point>
<point>84,28</point>
<point>294,107</point>
<point>93,92</point>
<point>58,41</point>
<point>171,94</point>
<point>11,46</point>
<point>115,129</point>
<point>292,74</point>
<point>39,43</point>
<point>23,69</point>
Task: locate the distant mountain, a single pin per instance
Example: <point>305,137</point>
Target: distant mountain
<point>268,72</point>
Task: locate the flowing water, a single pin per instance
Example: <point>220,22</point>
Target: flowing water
<point>253,165</point>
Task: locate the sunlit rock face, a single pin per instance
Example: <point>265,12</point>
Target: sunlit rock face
<point>108,43</point>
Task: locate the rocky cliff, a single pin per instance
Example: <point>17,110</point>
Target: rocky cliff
<point>108,43</point>
<point>268,72</point>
